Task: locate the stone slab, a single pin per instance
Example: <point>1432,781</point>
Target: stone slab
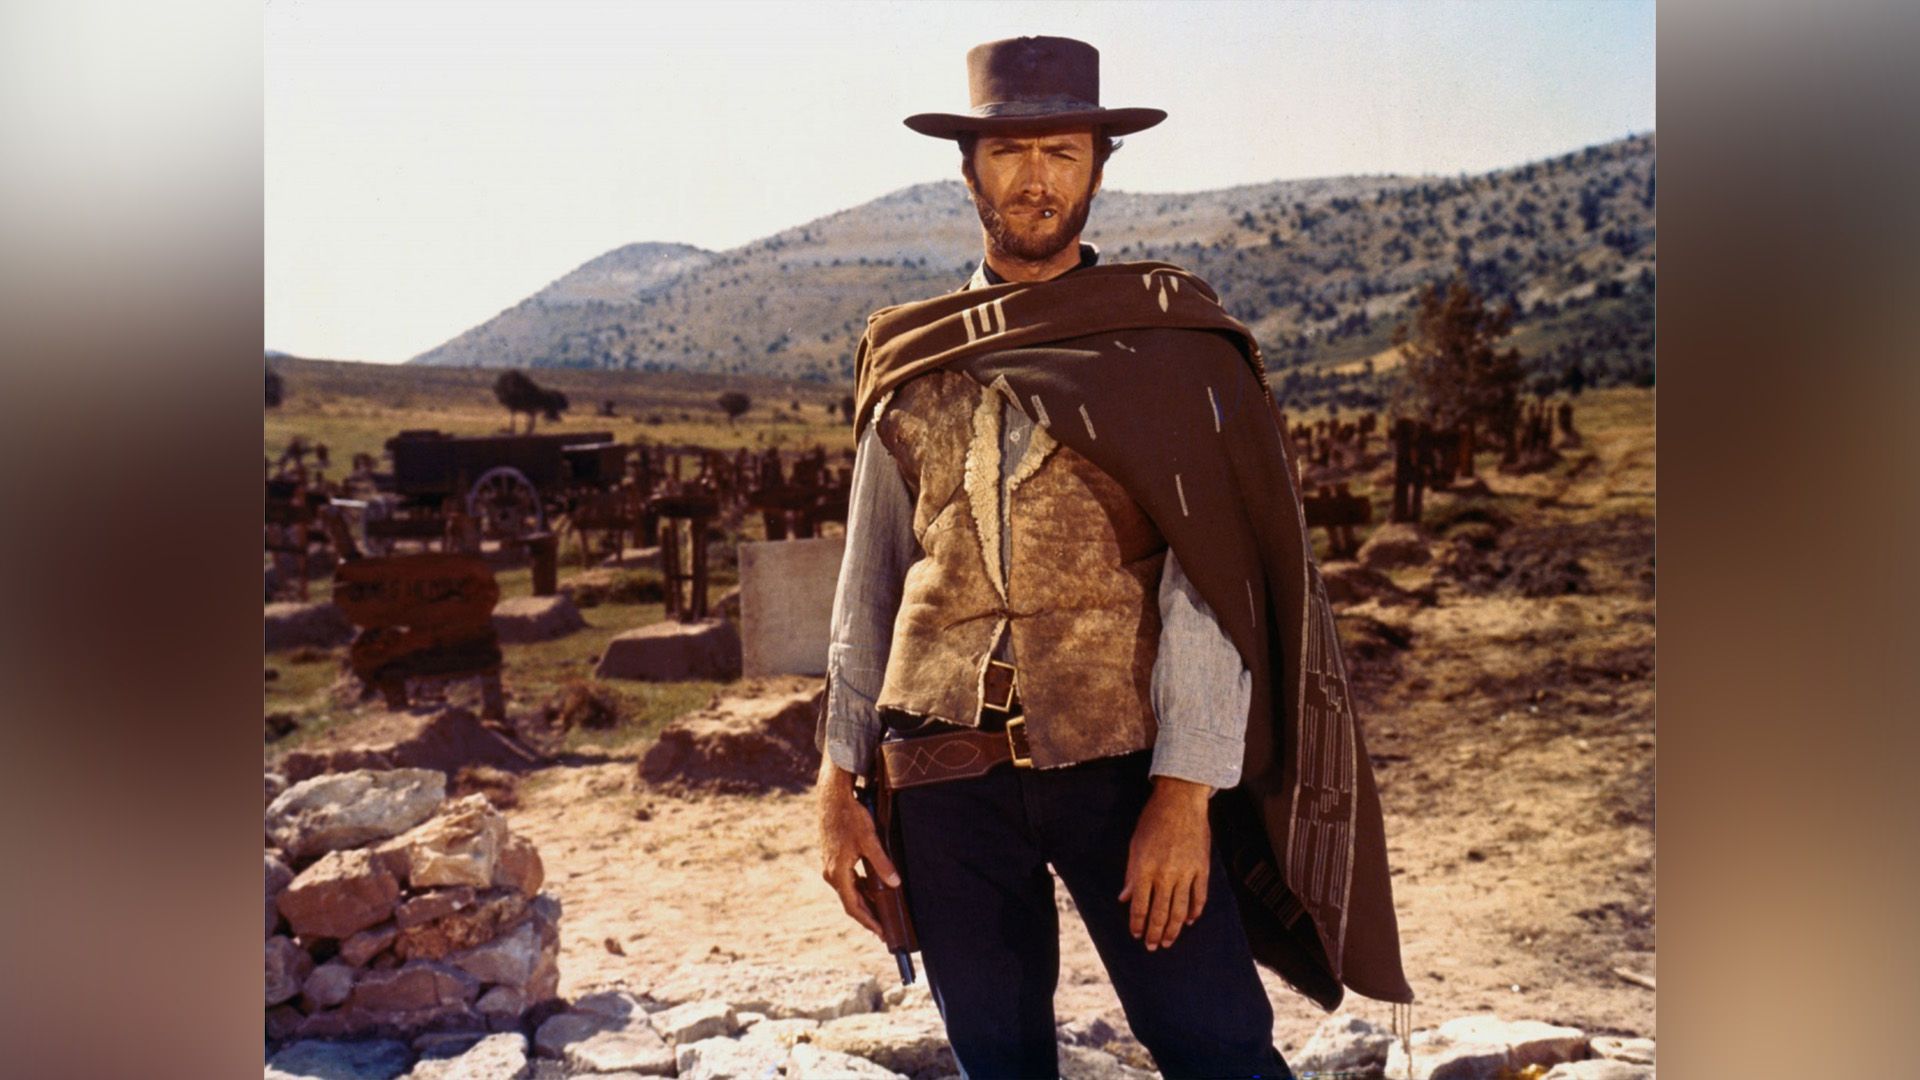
<point>673,651</point>
<point>786,604</point>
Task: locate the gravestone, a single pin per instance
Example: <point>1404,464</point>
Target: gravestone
<point>786,604</point>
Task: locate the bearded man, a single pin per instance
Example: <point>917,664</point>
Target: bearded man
<point>1078,627</point>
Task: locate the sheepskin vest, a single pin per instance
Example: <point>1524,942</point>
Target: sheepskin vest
<point>1079,598</point>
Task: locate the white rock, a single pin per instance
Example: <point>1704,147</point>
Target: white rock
<point>459,846</point>
<point>1087,1063</point>
<point>810,1062</point>
<point>778,990</point>
<point>782,1033</point>
<point>507,960</point>
<point>605,1042</point>
<point>373,1059</point>
<point>722,1058</point>
<point>1091,1031</point>
<point>1343,1043</point>
<point>1528,1042</point>
<point>496,1057</point>
<point>916,996</point>
<point>1439,1059</point>
<point>748,1019</point>
<point>694,1021</point>
<point>1632,1051</point>
<point>343,810</point>
<point>1599,1069</point>
<point>906,1042</point>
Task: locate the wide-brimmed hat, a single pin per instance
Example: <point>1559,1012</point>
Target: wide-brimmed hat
<point>1025,82</point>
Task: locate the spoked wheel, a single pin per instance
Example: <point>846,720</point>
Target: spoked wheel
<point>506,504</point>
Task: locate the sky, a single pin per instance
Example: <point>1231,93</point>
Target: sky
<point>430,164</point>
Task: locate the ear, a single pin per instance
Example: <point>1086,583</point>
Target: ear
<point>1098,176</point>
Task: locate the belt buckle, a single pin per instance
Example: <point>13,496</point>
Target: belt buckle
<point>1013,674</point>
<point>1017,742</point>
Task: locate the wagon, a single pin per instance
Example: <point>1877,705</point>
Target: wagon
<point>507,485</point>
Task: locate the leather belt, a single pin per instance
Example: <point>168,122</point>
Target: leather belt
<point>961,754</point>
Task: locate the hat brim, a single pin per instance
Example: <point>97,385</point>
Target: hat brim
<point>1115,121</point>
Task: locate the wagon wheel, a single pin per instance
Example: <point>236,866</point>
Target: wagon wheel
<point>506,504</point>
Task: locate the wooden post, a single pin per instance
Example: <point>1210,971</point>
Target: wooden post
<point>543,549</point>
<point>1463,464</point>
<point>1403,471</point>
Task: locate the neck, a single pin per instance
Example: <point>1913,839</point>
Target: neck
<point>1014,269</point>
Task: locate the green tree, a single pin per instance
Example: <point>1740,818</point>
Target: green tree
<point>1454,374</point>
<point>734,404</point>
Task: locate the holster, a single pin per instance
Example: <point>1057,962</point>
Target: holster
<point>889,904</point>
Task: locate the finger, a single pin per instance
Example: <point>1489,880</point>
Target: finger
<point>1126,889</point>
<point>852,901</point>
<point>1137,916</point>
<point>1157,915</point>
<point>1199,898</point>
<point>1177,904</point>
<point>877,860</point>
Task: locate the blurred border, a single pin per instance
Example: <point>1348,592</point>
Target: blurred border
<point>130,305</point>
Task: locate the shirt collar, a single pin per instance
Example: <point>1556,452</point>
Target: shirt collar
<point>984,276</point>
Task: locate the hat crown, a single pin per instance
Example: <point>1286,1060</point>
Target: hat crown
<point>1052,70</point>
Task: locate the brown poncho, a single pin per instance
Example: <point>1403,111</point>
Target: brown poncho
<point>1136,367</point>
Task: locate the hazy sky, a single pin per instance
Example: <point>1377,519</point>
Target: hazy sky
<point>429,164</point>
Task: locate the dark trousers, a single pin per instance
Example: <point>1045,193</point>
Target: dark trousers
<point>976,857</point>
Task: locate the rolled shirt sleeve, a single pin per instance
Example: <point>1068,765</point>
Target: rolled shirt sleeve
<point>880,548</point>
<point>1201,689</point>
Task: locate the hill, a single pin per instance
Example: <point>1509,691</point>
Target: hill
<point>1321,269</point>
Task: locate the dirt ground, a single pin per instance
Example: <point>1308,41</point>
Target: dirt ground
<point>1511,723</point>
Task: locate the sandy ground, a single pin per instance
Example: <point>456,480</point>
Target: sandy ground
<point>1513,739</point>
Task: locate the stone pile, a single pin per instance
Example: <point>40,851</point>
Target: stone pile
<point>740,745</point>
<point>1480,1047</point>
<point>394,911</point>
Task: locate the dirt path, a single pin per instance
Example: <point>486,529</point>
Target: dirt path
<point>1513,742</point>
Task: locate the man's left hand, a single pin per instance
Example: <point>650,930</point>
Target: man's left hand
<point>1167,861</point>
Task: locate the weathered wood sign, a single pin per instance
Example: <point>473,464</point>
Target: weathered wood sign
<point>427,615</point>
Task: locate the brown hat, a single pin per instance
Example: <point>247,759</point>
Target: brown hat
<point>1020,81</point>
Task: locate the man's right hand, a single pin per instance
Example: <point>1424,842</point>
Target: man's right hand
<point>847,835</point>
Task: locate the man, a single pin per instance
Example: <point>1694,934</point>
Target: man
<point>1073,523</point>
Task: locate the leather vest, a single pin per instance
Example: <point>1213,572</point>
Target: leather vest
<point>1080,597</point>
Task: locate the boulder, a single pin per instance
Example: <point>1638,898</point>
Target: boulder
<point>283,1022</point>
<point>382,1059</point>
<point>778,990</point>
<point>1632,1051</point>
<point>606,1039</point>
<point>740,745</point>
<point>1483,1047</point>
<point>1344,1043</point>
<point>1440,1059</point>
<point>445,741</point>
<point>511,959</point>
<point>328,986</point>
<point>459,846</point>
<point>274,785</point>
<point>519,867</point>
<point>721,1058</point>
<point>521,620</point>
<point>1087,1063</point>
<point>290,625</point>
<point>476,924</point>
<point>672,651</point>
<point>502,1006</point>
<point>362,947</point>
<point>1599,1069</point>
<point>278,877</point>
<point>694,1021</point>
<point>342,894</point>
<point>782,1033</point>
<point>328,813</point>
<point>287,967</point>
<point>495,1057</point>
<point>1394,544</point>
<point>414,986</point>
<point>809,1062</point>
<point>906,1042</point>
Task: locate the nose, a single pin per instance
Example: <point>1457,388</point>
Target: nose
<point>1033,173</point>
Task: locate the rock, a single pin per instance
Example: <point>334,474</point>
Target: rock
<point>721,1058</point>
<point>1394,544</point>
<point>606,1041</point>
<point>382,1059</point>
<point>502,1006</point>
<point>694,1021</point>
<point>287,967</point>
<point>290,625</point>
<point>782,1033</point>
<point>634,556</point>
<point>1087,1063</point>
<point>459,846</point>
<point>278,877</point>
<point>413,986</point>
<point>1599,1069</point>
<point>496,1057</point>
<point>613,1004</point>
<point>283,1022</point>
<point>905,1042</point>
<point>473,926</point>
<point>445,742</point>
<point>275,784</point>
<point>1632,1051</point>
<point>786,604</point>
<point>778,990</point>
<point>740,745</point>
<point>367,944</point>
<point>1349,583</point>
<point>345,892</point>
<point>1094,1032</point>
<point>670,651</point>
<point>431,905</point>
<point>519,867</point>
<point>1484,1046</point>
<point>521,620</point>
<point>728,606</point>
<point>328,986</point>
<point>508,960</point>
<point>809,1062</point>
<point>329,813</point>
<point>1343,1043</point>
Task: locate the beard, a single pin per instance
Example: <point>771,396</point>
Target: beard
<point>1030,238</point>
